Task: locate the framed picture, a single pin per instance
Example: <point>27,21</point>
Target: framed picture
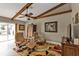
<point>51,26</point>
<point>21,27</point>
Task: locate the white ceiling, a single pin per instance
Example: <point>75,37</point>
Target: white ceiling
<point>37,9</point>
<point>60,9</point>
<point>9,9</point>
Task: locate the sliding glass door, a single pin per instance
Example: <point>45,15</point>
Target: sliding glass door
<point>7,31</point>
<point>3,31</point>
<point>10,31</point>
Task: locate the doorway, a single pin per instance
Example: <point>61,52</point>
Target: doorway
<point>7,31</point>
<point>7,39</point>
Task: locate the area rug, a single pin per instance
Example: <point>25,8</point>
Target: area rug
<point>44,50</point>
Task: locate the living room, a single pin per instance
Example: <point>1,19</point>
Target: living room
<point>42,28</point>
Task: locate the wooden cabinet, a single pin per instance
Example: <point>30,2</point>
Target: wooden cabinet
<point>70,50</point>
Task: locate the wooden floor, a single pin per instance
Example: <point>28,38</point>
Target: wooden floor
<point>6,48</point>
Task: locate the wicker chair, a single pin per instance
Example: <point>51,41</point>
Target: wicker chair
<point>19,38</point>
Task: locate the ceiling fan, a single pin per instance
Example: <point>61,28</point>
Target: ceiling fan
<point>28,14</point>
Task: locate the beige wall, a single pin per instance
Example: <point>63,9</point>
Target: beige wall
<point>63,21</point>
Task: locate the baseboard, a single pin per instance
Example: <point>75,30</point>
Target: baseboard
<point>51,42</point>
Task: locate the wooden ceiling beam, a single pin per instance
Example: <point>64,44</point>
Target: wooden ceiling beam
<point>26,6</point>
<point>51,9</point>
<point>59,13</point>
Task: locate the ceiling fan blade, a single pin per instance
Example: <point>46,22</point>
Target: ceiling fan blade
<point>24,14</point>
<point>30,13</point>
<point>21,16</point>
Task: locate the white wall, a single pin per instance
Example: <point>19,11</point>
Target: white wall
<point>75,9</point>
<point>63,21</point>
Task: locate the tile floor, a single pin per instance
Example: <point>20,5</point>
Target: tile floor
<point>6,48</point>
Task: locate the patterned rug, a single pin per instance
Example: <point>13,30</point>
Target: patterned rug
<point>42,50</point>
